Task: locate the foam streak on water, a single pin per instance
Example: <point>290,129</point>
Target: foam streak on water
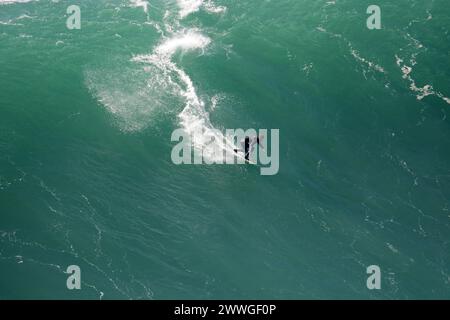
<point>13,1</point>
<point>194,118</point>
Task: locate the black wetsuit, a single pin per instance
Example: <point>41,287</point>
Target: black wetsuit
<point>247,142</point>
<point>247,148</point>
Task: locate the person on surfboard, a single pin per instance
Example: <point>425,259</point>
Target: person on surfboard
<point>248,144</point>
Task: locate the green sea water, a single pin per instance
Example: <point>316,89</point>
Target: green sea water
<point>86,176</point>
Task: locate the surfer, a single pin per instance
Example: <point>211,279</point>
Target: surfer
<point>248,145</point>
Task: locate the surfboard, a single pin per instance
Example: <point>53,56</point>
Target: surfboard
<point>230,146</point>
<point>243,158</point>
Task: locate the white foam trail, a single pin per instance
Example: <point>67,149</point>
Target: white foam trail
<point>24,16</point>
<point>407,71</point>
<point>140,3</point>
<point>161,57</point>
<point>14,1</point>
<point>371,64</point>
<point>194,118</point>
<point>355,54</point>
<point>189,6</point>
<point>188,41</point>
<point>211,7</point>
<point>421,92</point>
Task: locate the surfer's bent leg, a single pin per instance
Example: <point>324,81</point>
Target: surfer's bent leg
<point>247,148</point>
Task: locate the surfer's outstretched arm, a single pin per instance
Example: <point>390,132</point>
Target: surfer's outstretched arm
<point>255,141</point>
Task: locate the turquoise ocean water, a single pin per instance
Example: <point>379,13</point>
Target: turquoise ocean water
<point>86,176</point>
